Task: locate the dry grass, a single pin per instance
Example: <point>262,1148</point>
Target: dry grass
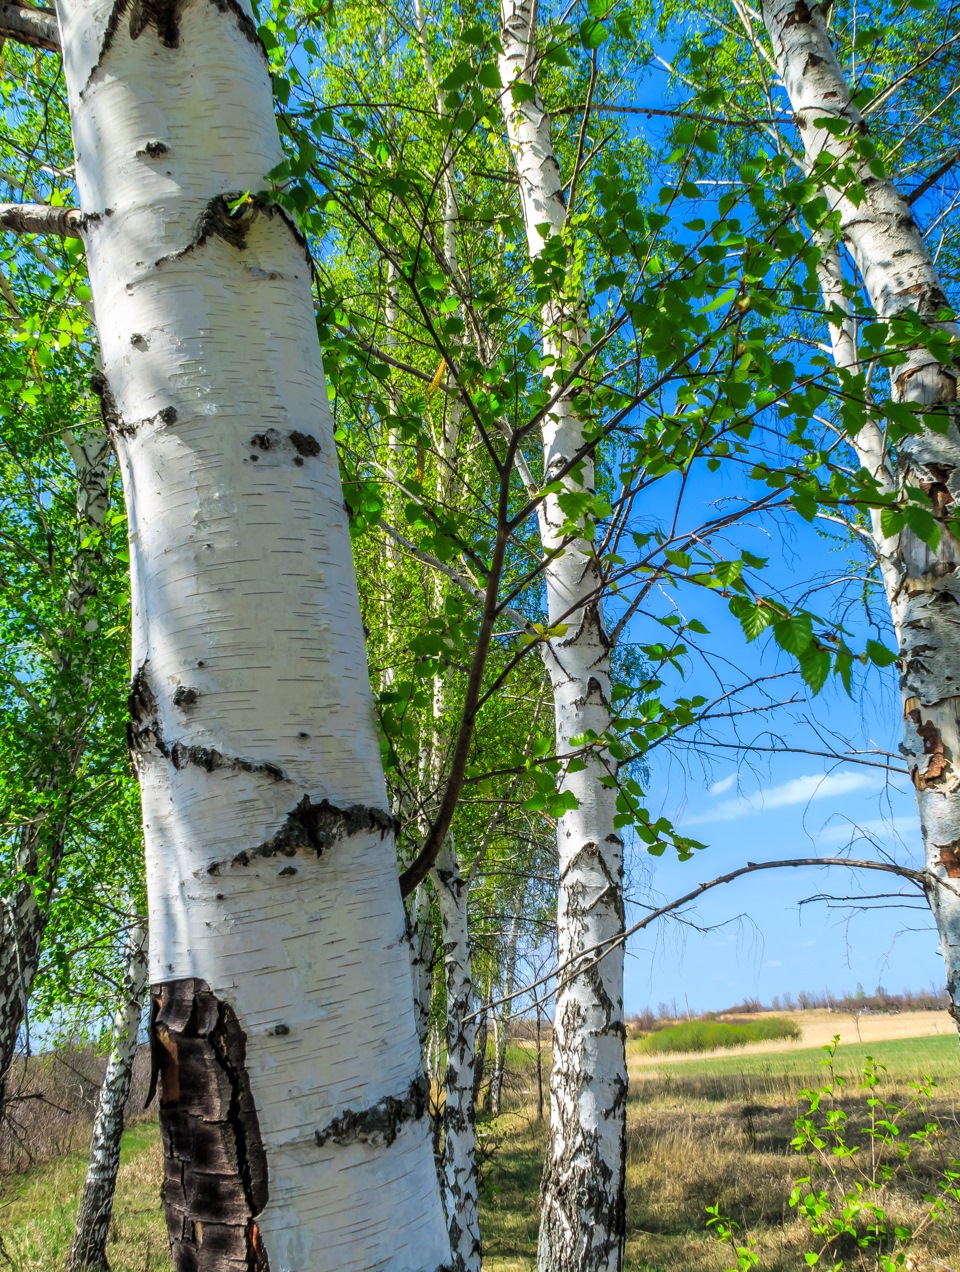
<point>697,1134</point>
<point>719,1131</point>
<point>37,1210</point>
<point>817,1028</point>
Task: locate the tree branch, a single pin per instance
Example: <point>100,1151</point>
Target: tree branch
<point>41,218</point>
<point>35,27</point>
<point>926,879</point>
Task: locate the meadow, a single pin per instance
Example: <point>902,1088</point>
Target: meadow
<point>701,1131</point>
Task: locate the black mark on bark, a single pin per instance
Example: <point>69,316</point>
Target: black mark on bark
<point>382,1122</point>
<point>113,421</point>
<point>218,221</point>
<point>164,16</point>
<point>215,1167</point>
<point>209,758</point>
<point>304,444</point>
<point>314,827</point>
<point>153,150</point>
<point>798,15</point>
<point>184,697</point>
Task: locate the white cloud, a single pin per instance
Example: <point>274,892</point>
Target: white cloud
<point>846,830</point>
<point>798,790</point>
<point>724,784</point>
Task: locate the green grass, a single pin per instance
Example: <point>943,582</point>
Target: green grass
<point>699,1131</point>
<point>911,1058</point>
<point>38,1209</point>
<point>706,1035</point>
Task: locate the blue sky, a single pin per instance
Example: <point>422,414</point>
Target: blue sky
<point>756,805</point>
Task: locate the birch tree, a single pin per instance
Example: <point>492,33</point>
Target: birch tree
<point>88,1252</point>
<point>582,1198</point>
<point>917,553</point>
<point>283,1037</point>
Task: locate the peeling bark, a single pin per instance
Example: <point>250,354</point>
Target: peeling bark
<point>89,1250</point>
<point>280,973</point>
<point>582,1217</point>
<point>215,1167</point>
<point>922,585</point>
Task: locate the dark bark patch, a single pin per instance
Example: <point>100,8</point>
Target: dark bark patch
<point>113,421</point>
<point>799,15</point>
<point>218,221</point>
<point>382,1122</point>
<point>209,758</point>
<point>265,441</point>
<point>304,444</point>
<point>215,1166</point>
<point>143,728</point>
<point>185,697</point>
<point>153,150</point>
<point>314,827</point>
<point>950,858</point>
<point>164,16</point>
<point>937,762</point>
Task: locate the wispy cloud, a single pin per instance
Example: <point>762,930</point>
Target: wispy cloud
<point>845,830</point>
<point>718,788</point>
<point>798,790</point>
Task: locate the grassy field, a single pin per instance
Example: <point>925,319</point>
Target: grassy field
<point>937,1057</point>
<point>700,1131</point>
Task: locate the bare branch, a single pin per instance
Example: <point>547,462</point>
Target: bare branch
<point>925,879</point>
<point>41,218</point>
<point>26,25</point>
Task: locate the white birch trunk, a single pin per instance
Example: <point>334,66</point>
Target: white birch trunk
<point>460,1188</point>
<point>292,1099</point>
<point>421,959</point>
<point>89,1250</point>
<point>582,1222</point>
<point>923,586</point>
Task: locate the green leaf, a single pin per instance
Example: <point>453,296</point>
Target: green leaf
<point>461,74</point>
<point>794,634</point>
<point>879,655</point>
<point>592,33</point>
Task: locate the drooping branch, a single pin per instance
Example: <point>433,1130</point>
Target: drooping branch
<point>40,218</point>
<point>35,27</point>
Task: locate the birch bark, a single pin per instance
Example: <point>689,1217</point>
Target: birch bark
<point>89,1250</point>
<point>922,585</point>
<point>582,1218</point>
<point>460,1189</point>
<point>292,1099</point>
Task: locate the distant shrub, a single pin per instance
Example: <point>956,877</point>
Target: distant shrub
<point>705,1035</point>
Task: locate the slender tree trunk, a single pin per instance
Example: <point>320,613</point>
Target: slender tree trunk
<point>582,1224</point>
<point>480,1051</point>
<point>506,1014</point>
<point>460,1194</point>
<point>89,1250</point>
<point>922,584</point>
<point>43,839</point>
<point>292,1097</point>
<point>421,957</point>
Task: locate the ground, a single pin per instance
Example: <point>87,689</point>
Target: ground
<point>702,1131</point>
